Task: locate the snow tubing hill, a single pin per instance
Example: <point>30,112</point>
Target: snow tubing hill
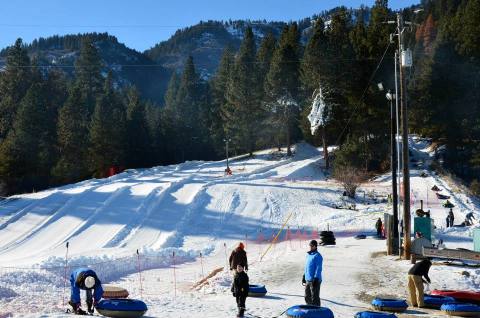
<point>309,311</point>
<point>373,314</point>
<point>122,308</point>
<point>436,301</point>
<point>459,295</point>
<point>394,305</point>
<point>110,292</point>
<point>461,310</point>
<point>256,290</point>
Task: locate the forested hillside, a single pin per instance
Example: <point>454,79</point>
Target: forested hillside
<point>60,127</point>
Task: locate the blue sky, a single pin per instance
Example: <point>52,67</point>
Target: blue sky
<point>141,24</point>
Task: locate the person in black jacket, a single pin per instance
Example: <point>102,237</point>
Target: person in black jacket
<point>451,217</point>
<point>378,227</point>
<point>415,281</point>
<point>240,289</point>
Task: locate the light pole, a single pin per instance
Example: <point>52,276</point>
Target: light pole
<point>393,163</point>
<point>227,140</point>
<point>397,112</point>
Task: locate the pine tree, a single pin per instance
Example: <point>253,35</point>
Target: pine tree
<point>137,130</point>
<point>168,119</point>
<point>107,131</point>
<point>264,56</point>
<point>72,128</point>
<point>187,119</point>
<point>14,83</point>
<point>157,150</point>
<point>23,152</point>
<point>88,68</point>
<point>283,84</point>
<point>313,76</point>
<point>218,103</point>
<point>244,98</point>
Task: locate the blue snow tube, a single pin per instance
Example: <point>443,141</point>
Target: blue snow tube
<point>309,311</point>
<point>360,237</point>
<point>436,301</point>
<point>256,290</point>
<point>122,308</point>
<point>461,310</point>
<point>395,305</point>
<point>374,314</point>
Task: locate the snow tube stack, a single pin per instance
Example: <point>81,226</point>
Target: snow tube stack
<point>257,290</point>
<point>436,301</point>
<point>122,308</point>
<point>461,310</point>
<point>110,292</point>
<point>373,314</point>
<point>395,305</point>
<point>309,311</point>
<point>327,238</point>
<point>465,296</point>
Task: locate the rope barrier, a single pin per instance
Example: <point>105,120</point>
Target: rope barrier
<point>276,237</point>
<point>119,267</point>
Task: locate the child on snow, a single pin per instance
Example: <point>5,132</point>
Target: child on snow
<point>240,289</point>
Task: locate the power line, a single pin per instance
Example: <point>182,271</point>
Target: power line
<point>160,65</point>
<point>363,94</point>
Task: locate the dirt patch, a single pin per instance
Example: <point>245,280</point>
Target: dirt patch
<point>378,254</point>
<point>385,279</point>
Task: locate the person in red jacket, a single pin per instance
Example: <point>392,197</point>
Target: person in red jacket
<point>238,257</point>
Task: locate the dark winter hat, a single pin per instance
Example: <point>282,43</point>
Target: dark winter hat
<point>313,243</point>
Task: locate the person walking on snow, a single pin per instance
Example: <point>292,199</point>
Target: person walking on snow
<point>378,227</point>
<point>85,279</point>
<point>312,277</point>
<point>451,217</point>
<point>240,289</point>
<point>415,282</point>
<point>238,257</point>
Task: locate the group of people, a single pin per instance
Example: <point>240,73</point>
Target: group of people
<point>86,279</point>
<point>311,280</point>
<point>469,218</point>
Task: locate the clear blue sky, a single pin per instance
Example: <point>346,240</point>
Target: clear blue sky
<point>141,24</point>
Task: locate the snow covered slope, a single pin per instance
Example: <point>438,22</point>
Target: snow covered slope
<point>194,208</point>
<point>162,207</point>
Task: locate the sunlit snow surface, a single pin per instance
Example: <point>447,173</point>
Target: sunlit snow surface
<point>192,209</point>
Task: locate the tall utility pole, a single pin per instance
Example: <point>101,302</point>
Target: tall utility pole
<point>406,170</point>
<point>393,163</point>
<point>399,161</point>
<point>227,140</point>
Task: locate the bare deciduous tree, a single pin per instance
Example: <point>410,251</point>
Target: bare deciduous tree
<point>350,177</point>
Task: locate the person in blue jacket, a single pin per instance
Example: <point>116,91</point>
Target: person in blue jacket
<point>312,278</point>
<point>85,279</point>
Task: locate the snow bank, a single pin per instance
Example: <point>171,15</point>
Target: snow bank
<point>109,268</point>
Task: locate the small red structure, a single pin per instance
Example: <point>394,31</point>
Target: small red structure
<point>113,170</point>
